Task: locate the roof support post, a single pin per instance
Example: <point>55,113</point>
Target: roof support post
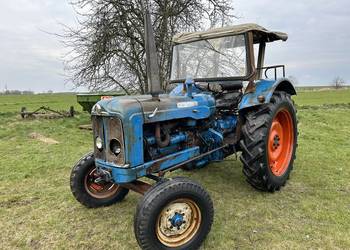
<point>251,62</point>
<point>261,59</point>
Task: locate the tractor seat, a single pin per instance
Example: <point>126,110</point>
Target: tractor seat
<point>231,86</point>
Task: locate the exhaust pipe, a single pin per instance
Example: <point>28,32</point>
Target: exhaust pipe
<point>152,65</point>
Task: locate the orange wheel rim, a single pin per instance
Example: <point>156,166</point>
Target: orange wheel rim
<point>281,142</point>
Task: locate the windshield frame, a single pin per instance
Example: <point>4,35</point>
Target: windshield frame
<point>250,66</point>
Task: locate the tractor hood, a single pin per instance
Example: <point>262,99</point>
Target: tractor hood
<point>135,111</point>
<point>168,107</point>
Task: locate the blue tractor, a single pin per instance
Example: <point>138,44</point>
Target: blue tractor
<point>221,105</point>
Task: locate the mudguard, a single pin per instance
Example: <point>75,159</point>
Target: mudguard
<point>266,88</point>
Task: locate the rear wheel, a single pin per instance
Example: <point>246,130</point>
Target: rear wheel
<point>88,188</point>
<point>269,139</point>
<point>174,214</point>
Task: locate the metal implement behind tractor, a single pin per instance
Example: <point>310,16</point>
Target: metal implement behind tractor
<point>208,116</point>
<point>88,100</point>
<point>46,112</point>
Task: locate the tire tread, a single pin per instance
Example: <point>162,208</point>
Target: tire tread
<point>254,133</point>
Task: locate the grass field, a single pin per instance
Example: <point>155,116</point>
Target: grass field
<point>37,210</point>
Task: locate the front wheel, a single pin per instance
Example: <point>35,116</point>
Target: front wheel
<point>174,214</point>
<point>89,189</point>
<point>269,140</point>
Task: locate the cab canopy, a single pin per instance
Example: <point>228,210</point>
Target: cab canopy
<point>260,34</point>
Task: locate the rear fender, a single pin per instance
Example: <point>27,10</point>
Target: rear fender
<point>264,91</point>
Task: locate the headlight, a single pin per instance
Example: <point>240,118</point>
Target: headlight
<point>99,143</point>
<point>115,147</point>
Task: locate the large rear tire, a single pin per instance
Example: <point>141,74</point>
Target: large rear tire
<point>90,193</point>
<point>269,141</point>
<point>174,214</point>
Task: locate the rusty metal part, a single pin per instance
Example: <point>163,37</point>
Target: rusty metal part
<point>160,142</point>
<point>261,59</point>
<point>161,174</point>
<point>238,131</point>
<point>250,88</point>
<point>113,127</point>
<point>154,177</point>
<point>97,188</point>
<point>230,139</point>
<point>252,68</point>
<point>46,112</point>
<point>261,98</point>
<point>156,166</point>
<point>115,132</point>
<point>138,186</point>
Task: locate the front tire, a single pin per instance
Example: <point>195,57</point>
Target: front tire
<point>89,193</point>
<point>269,140</point>
<point>174,214</point>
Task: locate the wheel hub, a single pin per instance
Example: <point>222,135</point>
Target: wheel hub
<point>174,219</point>
<point>280,142</point>
<point>276,142</point>
<point>178,222</point>
<point>97,187</point>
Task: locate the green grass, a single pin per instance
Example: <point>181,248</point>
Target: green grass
<point>333,96</point>
<point>14,103</point>
<point>37,210</point>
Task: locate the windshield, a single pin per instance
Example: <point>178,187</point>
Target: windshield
<point>213,58</point>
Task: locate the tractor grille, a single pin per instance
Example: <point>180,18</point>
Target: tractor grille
<point>108,128</point>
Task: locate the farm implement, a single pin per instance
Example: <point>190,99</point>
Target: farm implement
<point>46,112</point>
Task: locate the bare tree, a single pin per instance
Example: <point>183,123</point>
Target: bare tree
<point>108,49</point>
<point>338,82</point>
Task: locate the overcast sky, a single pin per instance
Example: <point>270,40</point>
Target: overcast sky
<point>316,52</point>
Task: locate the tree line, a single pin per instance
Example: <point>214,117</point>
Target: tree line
<point>16,92</point>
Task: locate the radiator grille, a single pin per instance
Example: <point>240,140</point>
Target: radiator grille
<point>108,128</point>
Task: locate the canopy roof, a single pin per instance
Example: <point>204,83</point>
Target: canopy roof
<point>260,34</point>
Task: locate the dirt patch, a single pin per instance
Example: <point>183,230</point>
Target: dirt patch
<point>44,139</point>
<point>18,201</point>
<point>85,127</point>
